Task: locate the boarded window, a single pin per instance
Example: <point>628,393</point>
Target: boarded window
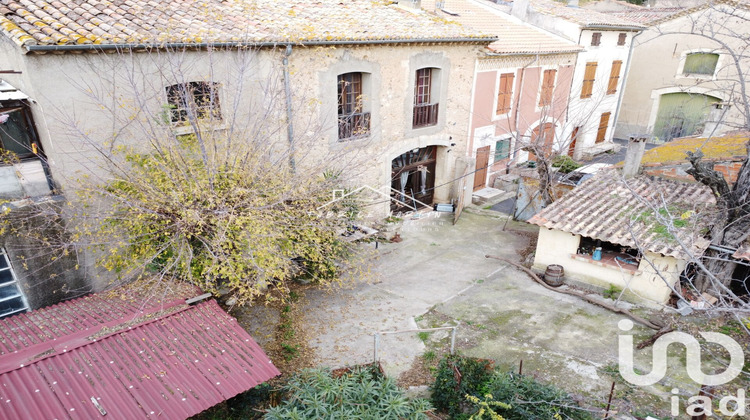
<point>502,149</point>
<point>193,100</point>
<point>622,38</point>
<point>700,63</point>
<point>588,80</point>
<point>548,87</point>
<point>601,133</point>
<point>505,93</point>
<point>596,39</point>
<point>614,77</point>
<point>353,122</point>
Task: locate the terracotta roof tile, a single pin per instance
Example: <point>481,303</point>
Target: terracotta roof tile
<point>581,16</point>
<point>30,22</point>
<point>514,35</point>
<point>631,212</point>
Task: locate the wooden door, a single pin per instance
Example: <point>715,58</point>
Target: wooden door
<point>573,138</point>
<point>483,160</point>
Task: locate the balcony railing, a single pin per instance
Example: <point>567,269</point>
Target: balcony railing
<point>354,125</point>
<point>425,115</point>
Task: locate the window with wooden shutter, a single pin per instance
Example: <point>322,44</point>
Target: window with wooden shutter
<point>502,150</point>
<point>596,39</point>
<point>601,133</point>
<point>622,38</point>
<point>614,77</point>
<point>505,93</point>
<point>548,87</point>
<point>588,80</point>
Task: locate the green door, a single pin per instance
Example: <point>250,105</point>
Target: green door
<point>682,114</point>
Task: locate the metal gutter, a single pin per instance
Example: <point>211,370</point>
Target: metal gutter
<point>238,44</point>
<point>624,82</point>
<point>614,28</point>
<point>288,95</point>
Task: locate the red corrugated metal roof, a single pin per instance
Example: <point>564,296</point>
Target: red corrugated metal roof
<point>166,360</point>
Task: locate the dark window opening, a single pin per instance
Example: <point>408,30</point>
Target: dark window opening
<point>193,100</point>
<point>622,38</point>
<point>17,132</point>
<point>413,179</point>
<point>425,107</point>
<point>611,254</point>
<point>353,121</point>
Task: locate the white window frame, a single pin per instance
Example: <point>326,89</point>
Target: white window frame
<point>14,284</point>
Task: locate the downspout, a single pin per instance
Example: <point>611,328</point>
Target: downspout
<point>624,81</point>
<point>288,92</point>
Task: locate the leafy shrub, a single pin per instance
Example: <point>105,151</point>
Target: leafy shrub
<point>448,392</point>
<point>565,163</point>
<point>484,391</point>
<point>360,394</point>
<point>529,399</point>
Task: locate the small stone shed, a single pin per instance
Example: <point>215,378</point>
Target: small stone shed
<point>648,229</point>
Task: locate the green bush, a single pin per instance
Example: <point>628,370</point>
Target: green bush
<point>565,163</point>
<point>448,393</point>
<point>529,399</point>
<point>482,387</point>
<point>360,394</point>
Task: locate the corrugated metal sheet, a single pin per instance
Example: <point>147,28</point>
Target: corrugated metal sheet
<point>168,364</point>
<point>632,212</point>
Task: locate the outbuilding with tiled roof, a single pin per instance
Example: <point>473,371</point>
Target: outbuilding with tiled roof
<point>636,234</point>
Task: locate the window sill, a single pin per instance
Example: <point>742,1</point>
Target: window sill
<point>182,129</point>
<point>608,261</point>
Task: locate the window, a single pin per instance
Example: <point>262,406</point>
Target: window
<point>548,87</point>
<point>596,39</point>
<point>193,100</point>
<point>622,38</point>
<point>700,63</point>
<point>614,77</point>
<point>12,299</point>
<point>601,133</point>
<point>353,121</point>
<point>588,80</point>
<point>502,149</point>
<point>425,111</point>
<point>17,133</point>
<point>505,93</point>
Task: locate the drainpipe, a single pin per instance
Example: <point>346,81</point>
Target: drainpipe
<point>288,92</point>
<point>624,81</point>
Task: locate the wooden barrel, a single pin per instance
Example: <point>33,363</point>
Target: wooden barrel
<point>554,274</point>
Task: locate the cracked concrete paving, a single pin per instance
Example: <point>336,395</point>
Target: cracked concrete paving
<point>435,262</point>
<point>440,274</point>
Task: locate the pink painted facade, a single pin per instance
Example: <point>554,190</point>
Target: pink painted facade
<point>507,127</point>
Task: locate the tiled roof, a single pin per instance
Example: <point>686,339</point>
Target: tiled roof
<point>728,147</point>
<point>155,22</point>
<point>125,354</point>
<point>630,212</point>
<point>514,36</point>
<point>646,15</point>
<point>581,16</point>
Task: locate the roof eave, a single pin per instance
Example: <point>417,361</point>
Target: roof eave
<point>262,44</point>
<point>600,26</point>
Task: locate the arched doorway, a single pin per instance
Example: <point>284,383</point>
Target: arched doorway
<point>682,114</point>
<point>413,179</point>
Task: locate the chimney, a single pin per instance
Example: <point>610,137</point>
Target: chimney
<point>711,127</point>
<point>633,156</point>
<point>572,3</point>
<point>520,9</point>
